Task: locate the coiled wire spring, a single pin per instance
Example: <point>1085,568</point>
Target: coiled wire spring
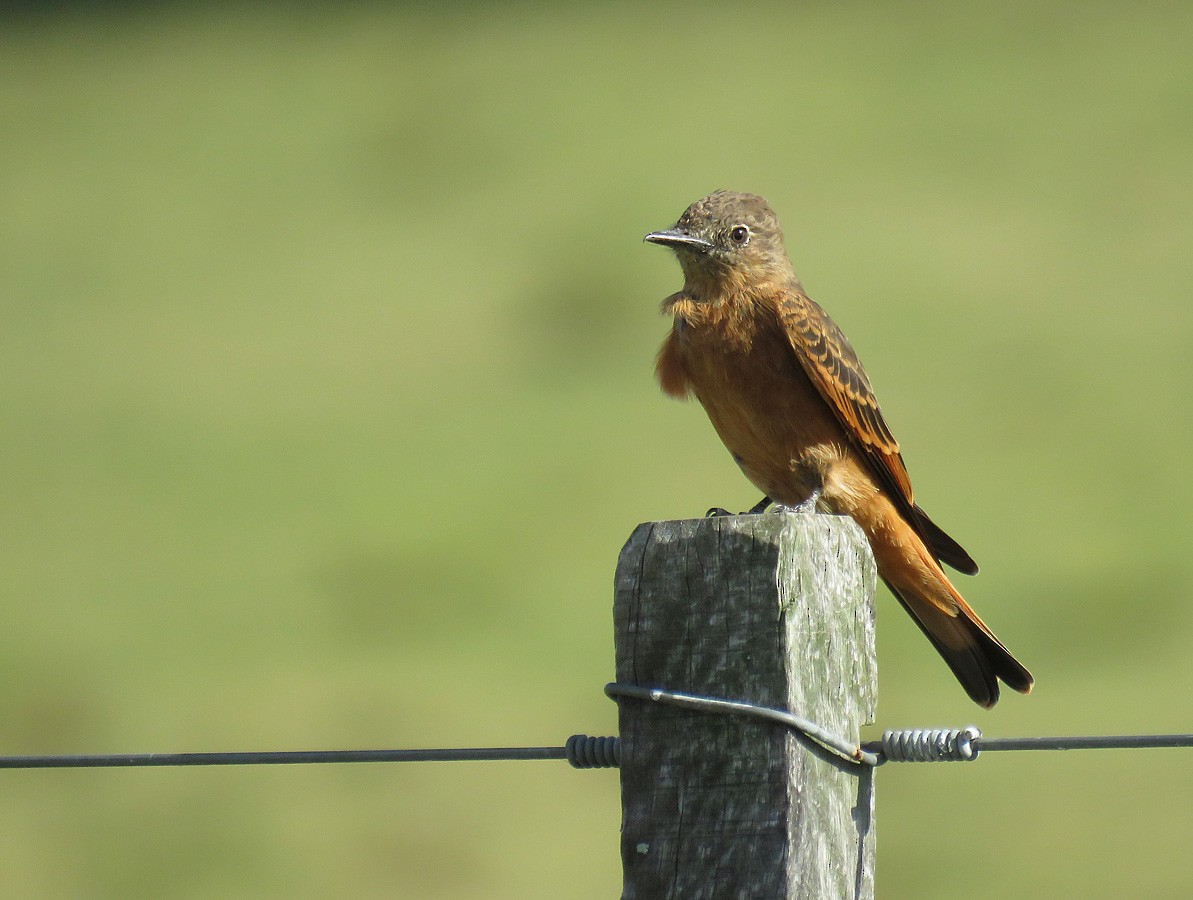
<point>584,752</point>
<point>930,745</point>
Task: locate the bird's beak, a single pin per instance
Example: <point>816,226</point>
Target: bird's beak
<point>675,238</point>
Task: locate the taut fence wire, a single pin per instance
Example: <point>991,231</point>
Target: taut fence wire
<point>584,752</point>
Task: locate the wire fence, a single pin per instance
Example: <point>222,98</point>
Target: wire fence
<point>584,752</point>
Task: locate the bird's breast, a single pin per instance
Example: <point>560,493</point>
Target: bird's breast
<point>760,401</point>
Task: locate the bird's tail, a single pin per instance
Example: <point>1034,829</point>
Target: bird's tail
<point>978,658</point>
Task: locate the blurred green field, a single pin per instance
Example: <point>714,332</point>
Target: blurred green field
<point>325,371</point>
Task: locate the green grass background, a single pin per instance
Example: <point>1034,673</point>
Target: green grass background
<point>325,370</point>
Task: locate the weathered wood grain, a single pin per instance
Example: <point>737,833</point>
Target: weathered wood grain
<point>776,609</point>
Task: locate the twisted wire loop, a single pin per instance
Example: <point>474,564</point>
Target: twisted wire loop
<point>584,752</point>
<point>847,750</point>
<point>931,744</point>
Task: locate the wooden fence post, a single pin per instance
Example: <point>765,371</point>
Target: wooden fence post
<point>776,609</point>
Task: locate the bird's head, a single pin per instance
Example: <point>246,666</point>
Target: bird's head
<point>727,237</point>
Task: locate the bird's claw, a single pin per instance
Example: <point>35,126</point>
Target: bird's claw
<point>754,510</point>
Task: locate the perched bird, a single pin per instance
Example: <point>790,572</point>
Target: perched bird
<point>789,398</point>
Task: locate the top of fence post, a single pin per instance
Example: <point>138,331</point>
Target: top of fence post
<point>775,609</point>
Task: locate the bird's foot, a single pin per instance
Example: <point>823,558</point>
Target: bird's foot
<point>807,507</point>
<point>752,511</point>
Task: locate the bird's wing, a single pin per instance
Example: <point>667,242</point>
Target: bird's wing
<point>829,360</point>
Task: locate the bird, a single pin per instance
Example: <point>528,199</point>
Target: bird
<point>789,398</point>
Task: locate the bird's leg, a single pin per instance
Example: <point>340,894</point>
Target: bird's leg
<point>811,474</point>
<point>807,506</point>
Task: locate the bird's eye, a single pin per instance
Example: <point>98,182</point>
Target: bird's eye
<point>740,235</point>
